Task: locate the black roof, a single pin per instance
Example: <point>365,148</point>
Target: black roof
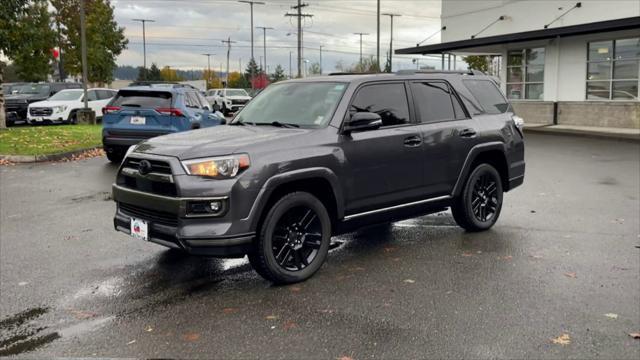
<point>564,31</point>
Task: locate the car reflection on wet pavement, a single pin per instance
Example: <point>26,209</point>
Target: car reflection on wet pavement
<point>562,256</point>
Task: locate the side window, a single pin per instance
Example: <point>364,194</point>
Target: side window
<point>92,96</point>
<point>387,100</point>
<point>435,101</point>
<point>488,95</point>
<point>203,101</point>
<point>191,100</point>
<point>104,94</point>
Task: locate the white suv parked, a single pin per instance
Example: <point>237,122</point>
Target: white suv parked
<point>228,100</point>
<point>62,106</point>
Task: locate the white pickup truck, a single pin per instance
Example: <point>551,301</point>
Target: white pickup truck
<point>227,100</point>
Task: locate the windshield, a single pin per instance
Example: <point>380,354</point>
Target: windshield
<point>33,89</point>
<point>238,92</point>
<point>301,103</point>
<point>65,95</point>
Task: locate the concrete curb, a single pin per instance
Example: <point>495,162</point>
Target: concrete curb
<point>44,158</point>
<point>584,133</point>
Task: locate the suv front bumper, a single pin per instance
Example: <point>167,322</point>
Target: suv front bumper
<point>171,227</point>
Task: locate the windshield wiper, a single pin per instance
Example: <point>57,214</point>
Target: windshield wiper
<point>284,125</point>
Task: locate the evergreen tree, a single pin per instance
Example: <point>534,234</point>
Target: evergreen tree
<point>278,74</point>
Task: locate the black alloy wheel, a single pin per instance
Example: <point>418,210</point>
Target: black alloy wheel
<point>294,239</point>
<point>479,204</point>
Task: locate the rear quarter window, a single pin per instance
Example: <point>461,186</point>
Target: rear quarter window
<point>143,99</point>
<point>488,95</point>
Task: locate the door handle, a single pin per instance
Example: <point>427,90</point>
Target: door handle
<point>412,141</point>
<point>468,133</point>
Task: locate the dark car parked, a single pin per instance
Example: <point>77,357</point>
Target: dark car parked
<point>312,158</point>
<point>17,103</point>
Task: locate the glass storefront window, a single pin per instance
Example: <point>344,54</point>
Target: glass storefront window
<point>530,63</point>
<point>613,69</point>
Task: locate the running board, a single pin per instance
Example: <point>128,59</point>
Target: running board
<point>377,211</point>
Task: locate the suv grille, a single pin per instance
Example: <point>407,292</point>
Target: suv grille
<point>239,102</point>
<point>40,111</point>
<point>153,185</point>
<point>155,216</point>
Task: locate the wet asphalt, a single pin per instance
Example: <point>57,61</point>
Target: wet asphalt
<point>564,258</point>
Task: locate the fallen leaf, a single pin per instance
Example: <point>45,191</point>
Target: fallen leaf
<point>82,314</point>
<point>563,339</point>
<point>22,283</point>
<point>191,337</point>
<point>148,328</point>
<point>295,289</point>
<point>467,254</point>
<point>571,275</point>
<point>611,315</point>
<point>389,249</point>
<point>635,335</point>
<point>479,252</point>
<point>271,317</point>
<point>345,357</point>
<point>131,342</point>
<point>288,325</point>
<point>230,310</point>
<point>508,257</point>
<point>536,256</point>
<point>357,268</point>
<point>409,281</point>
<point>395,259</point>
<point>618,221</point>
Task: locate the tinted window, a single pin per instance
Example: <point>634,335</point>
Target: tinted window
<point>488,95</point>
<point>92,96</point>
<point>387,100</point>
<point>105,94</point>
<point>191,100</point>
<point>143,99</point>
<point>435,102</point>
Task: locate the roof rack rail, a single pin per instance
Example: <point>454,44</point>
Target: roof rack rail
<point>434,71</point>
<point>353,73</point>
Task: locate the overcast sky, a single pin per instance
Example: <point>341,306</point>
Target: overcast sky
<point>183,30</point>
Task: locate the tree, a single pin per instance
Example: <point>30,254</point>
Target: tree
<point>26,37</point>
<point>168,74</point>
<point>236,80</point>
<point>105,39</point>
<point>314,69</point>
<point>477,62</point>
<point>278,74</point>
<point>151,74</point>
<point>213,81</point>
<point>387,64</point>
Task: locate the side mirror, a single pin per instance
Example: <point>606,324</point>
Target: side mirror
<point>362,121</point>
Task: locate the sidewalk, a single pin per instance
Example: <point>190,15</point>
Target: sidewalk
<point>590,131</point>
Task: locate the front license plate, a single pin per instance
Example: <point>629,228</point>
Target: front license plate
<point>138,120</point>
<point>139,229</point>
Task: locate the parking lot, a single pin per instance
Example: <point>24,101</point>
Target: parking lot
<point>564,259</point>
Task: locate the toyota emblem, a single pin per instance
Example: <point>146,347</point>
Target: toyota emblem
<point>144,167</point>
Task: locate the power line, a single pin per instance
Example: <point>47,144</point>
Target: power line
<point>228,42</point>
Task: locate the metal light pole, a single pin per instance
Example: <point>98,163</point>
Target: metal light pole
<point>361,34</point>
<point>251,3</point>
<point>144,45</point>
<point>83,45</point>
<point>264,32</point>
<point>378,37</point>
<point>320,59</point>
<point>391,42</point>
<point>290,65</point>
<point>208,55</point>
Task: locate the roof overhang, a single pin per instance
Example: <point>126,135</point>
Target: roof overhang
<point>565,31</point>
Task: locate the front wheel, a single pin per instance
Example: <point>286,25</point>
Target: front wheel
<point>115,154</point>
<point>294,239</point>
<point>478,207</point>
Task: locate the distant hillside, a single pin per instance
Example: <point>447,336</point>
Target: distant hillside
<point>128,72</point>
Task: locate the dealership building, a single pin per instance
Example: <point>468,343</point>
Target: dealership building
<point>559,62</point>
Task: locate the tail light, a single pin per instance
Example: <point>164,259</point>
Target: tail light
<point>110,109</point>
<point>170,111</point>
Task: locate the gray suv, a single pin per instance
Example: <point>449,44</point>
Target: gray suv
<point>312,158</point>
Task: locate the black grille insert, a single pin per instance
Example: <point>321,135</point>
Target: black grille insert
<point>160,167</point>
<point>153,216</point>
<point>40,111</point>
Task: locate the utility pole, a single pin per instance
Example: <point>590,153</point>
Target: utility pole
<point>361,34</point>
<point>300,16</point>
<point>320,59</point>
<point>290,67</point>
<point>264,32</point>
<point>144,45</point>
<point>251,3</point>
<point>228,42</point>
<point>208,55</point>
<point>83,45</point>
<point>391,42</point>
<point>378,37</point>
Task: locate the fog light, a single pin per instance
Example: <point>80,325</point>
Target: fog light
<point>215,206</point>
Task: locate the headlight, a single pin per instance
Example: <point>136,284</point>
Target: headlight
<point>224,167</point>
<point>61,108</point>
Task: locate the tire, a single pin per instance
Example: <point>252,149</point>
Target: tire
<point>225,111</point>
<point>478,207</point>
<point>294,239</point>
<point>73,119</point>
<point>115,155</point>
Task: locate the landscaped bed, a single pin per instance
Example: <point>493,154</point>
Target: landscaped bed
<point>51,139</point>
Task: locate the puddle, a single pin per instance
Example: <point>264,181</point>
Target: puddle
<point>85,326</point>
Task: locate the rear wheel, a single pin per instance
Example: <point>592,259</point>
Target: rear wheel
<point>478,207</point>
<point>115,154</point>
<point>294,239</point>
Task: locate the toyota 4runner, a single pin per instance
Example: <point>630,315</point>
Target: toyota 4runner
<point>312,158</point>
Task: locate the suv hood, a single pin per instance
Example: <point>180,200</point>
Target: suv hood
<point>238,97</point>
<point>49,103</point>
<point>21,97</point>
<point>219,140</point>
